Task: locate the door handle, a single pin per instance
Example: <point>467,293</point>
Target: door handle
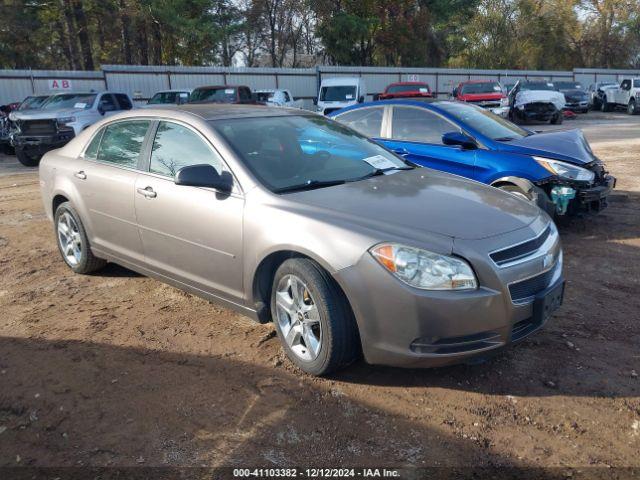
<point>81,175</point>
<point>401,151</point>
<point>147,192</point>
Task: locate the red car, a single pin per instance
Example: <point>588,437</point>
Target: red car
<point>485,93</point>
<point>406,90</point>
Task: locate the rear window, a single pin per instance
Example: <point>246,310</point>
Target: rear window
<point>215,95</point>
<point>568,85</point>
<point>636,83</point>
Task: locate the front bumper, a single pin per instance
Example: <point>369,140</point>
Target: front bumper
<point>408,327</point>
<point>500,111</point>
<point>593,199</point>
<point>577,106</point>
<point>41,144</point>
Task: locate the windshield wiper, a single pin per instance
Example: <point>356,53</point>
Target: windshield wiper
<point>380,171</point>
<point>309,185</point>
<point>504,139</point>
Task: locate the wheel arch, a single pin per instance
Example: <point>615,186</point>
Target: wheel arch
<point>262,278</point>
<point>522,183</point>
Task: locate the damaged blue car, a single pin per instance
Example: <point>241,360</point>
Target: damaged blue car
<point>556,170</point>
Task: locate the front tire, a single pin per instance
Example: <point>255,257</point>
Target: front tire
<point>632,108</point>
<point>605,106</point>
<point>26,159</point>
<point>557,119</point>
<point>72,241</point>
<point>312,318</point>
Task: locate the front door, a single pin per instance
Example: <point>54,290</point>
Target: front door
<point>416,134</point>
<point>191,234</point>
<point>106,180</point>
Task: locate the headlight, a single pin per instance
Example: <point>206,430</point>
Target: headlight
<point>504,102</point>
<point>520,107</point>
<point>423,269</point>
<point>65,120</point>
<point>566,170</point>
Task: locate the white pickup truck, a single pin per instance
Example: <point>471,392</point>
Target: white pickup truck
<point>278,97</point>
<point>61,117</point>
<point>626,95</point>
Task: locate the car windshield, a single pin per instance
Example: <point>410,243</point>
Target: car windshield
<point>302,152</point>
<point>32,103</point>
<point>70,100</point>
<point>337,93</point>
<point>481,87</point>
<point>214,95</point>
<point>167,97</point>
<point>568,85</point>
<point>537,86</point>
<point>421,87</point>
<point>484,122</point>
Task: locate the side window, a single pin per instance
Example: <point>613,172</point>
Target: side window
<point>245,94</point>
<point>107,104</point>
<point>92,150</point>
<point>419,125</point>
<point>367,121</point>
<point>122,142</point>
<point>175,146</point>
<point>123,100</point>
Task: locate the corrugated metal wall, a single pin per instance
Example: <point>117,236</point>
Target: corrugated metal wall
<point>17,84</point>
<point>143,81</point>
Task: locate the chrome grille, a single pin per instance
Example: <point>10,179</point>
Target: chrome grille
<point>520,251</point>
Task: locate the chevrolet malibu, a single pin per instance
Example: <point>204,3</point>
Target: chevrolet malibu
<point>290,217</point>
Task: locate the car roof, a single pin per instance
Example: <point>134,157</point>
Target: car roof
<point>479,81</point>
<point>217,111</point>
<point>407,83</point>
<point>212,87</point>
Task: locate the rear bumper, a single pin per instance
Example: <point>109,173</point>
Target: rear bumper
<point>577,106</point>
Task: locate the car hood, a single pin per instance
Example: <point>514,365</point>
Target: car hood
<point>48,114</point>
<point>566,145</point>
<point>478,97</point>
<point>412,203</point>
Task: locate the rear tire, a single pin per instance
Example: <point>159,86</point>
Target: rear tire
<point>72,241</point>
<point>27,160</point>
<point>312,318</point>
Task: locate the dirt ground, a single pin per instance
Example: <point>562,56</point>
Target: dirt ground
<point>116,369</point>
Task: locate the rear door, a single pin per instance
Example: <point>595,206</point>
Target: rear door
<point>416,134</point>
<point>106,182</point>
<point>190,234</point>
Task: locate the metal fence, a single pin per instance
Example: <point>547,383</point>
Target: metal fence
<point>141,82</point>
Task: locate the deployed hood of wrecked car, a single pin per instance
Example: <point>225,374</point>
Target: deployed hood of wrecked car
<point>534,96</point>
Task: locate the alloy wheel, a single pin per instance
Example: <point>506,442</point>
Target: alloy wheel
<point>69,239</point>
<point>298,318</point>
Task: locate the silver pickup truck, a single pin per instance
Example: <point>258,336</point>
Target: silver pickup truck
<point>60,119</point>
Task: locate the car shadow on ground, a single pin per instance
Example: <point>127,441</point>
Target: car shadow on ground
<point>89,404</point>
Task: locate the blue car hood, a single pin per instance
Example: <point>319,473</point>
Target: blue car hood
<point>566,145</point>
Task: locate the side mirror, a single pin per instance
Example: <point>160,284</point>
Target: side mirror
<point>204,176</point>
<point>459,139</point>
<point>315,101</point>
<point>361,99</point>
<point>455,92</point>
<point>100,109</point>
